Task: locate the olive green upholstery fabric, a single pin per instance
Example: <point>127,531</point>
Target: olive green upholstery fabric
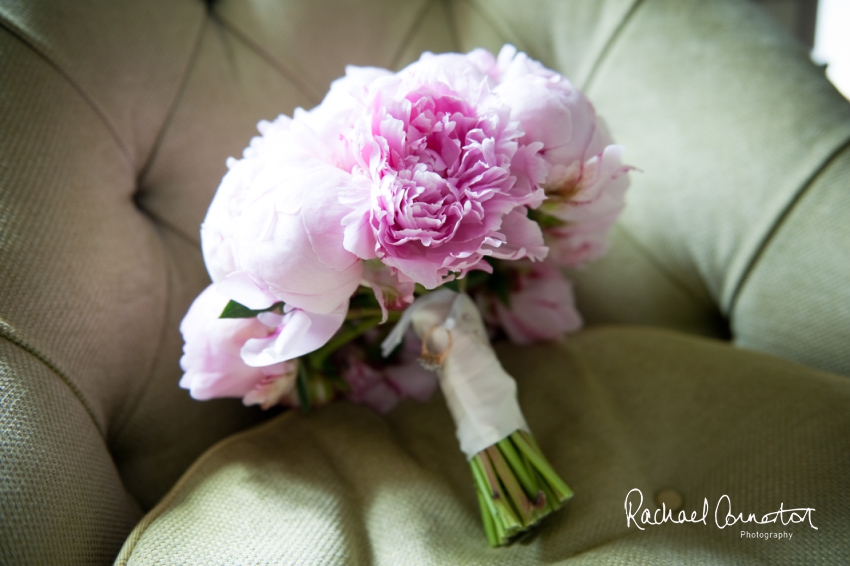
<point>61,493</point>
<point>117,117</point>
<point>614,408</point>
<point>739,139</point>
<point>90,283</point>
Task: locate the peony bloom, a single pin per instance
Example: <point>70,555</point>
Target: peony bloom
<point>295,332</point>
<point>408,375</point>
<point>550,110</point>
<point>573,245</point>
<point>541,305</point>
<point>394,180</point>
<point>382,389</point>
<point>274,229</point>
<point>391,291</point>
<point>216,349</point>
<point>596,197</point>
<point>586,180</point>
<point>275,389</point>
<point>447,180</point>
<point>369,386</point>
<point>212,359</point>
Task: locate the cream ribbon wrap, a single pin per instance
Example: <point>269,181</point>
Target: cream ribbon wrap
<point>480,395</point>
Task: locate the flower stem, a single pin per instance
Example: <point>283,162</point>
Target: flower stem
<point>526,479</point>
<point>489,525</point>
<point>516,487</point>
<point>529,447</point>
<point>520,501</point>
<point>346,335</point>
<point>302,386</point>
<point>392,316</point>
<point>487,496</point>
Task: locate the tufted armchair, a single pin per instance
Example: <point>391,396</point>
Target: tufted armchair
<point>718,342</point>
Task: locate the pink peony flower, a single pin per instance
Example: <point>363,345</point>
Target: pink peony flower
<point>382,389</point>
<point>370,386</point>
<point>443,167</point>
<point>274,229</point>
<point>275,389</point>
<point>573,245</point>
<point>541,307</point>
<point>550,110</point>
<point>391,292</point>
<point>212,359</point>
<point>216,349</point>
<point>596,198</point>
<point>408,375</point>
<point>586,180</point>
<point>295,332</point>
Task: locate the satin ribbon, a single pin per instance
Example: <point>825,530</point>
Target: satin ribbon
<point>480,395</point>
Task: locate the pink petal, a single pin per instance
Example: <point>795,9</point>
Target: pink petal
<point>239,287</point>
<point>524,237</point>
<point>300,333</point>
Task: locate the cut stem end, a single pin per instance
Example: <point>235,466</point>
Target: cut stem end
<point>516,486</point>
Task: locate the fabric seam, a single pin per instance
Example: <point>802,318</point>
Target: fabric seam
<point>127,412</point>
<point>451,23</point>
<point>129,406</point>
<point>606,49</point>
<point>656,263</point>
<point>8,333</point>
<point>417,23</point>
<point>160,508</point>
<point>21,35</point>
<point>289,74</point>
<point>504,30</point>
<point>771,232</point>
<point>175,103</point>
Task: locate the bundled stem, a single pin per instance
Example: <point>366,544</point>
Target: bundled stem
<point>516,487</point>
<point>315,389</point>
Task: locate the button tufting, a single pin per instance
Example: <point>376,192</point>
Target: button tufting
<point>669,498</point>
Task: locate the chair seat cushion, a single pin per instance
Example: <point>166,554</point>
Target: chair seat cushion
<point>613,408</point>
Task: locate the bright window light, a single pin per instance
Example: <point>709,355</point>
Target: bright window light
<point>832,42</point>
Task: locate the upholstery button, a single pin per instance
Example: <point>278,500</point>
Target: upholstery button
<point>669,497</point>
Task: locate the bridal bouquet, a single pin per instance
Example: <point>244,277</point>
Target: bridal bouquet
<point>442,198</point>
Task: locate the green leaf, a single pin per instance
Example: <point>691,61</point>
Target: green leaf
<point>475,279</point>
<point>545,220</point>
<point>363,298</point>
<point>303,387</point>
<point>343,336</point>
<point>500,284</point>
<point>238,310</point>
